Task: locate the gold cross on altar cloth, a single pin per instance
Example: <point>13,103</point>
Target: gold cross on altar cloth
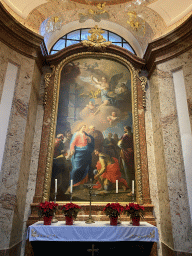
<point>92,250</point>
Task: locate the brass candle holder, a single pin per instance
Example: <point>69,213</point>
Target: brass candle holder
<point>90,186</point>
<point>54,220</point>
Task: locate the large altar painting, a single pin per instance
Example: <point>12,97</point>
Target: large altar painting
<point>94,131</point>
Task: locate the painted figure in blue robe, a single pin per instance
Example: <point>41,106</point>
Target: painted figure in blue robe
<point>81,148</point>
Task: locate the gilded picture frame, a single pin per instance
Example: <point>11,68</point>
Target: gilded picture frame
<point>79,59</point>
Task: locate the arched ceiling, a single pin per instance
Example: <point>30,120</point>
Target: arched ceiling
<point>160,16</point>
<point>170,10</point>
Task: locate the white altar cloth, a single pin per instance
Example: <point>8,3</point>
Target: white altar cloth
<point>100,231</point>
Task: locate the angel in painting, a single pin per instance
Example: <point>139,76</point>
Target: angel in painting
<point>106,90</point>
<point>104,87</point>
<point>112,118</point>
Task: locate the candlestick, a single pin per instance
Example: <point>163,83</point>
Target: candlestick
<point>133,187</point>
<point>90,186</point>
<point>71,189</point>
<point>117,191</point>
<point>54,220</point>
<point>133,190</point>
<point>71,194</point>
<point>55,186</point>
<point>118,222</point>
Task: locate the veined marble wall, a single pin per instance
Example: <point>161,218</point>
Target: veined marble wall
<point>151,164</point>
<point>8,88</point>
<point>166,167</point>
<point>18,147</point>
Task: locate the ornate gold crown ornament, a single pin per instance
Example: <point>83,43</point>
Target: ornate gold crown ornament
<point>96,40</point>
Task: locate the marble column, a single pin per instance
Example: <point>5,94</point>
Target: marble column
<point>18,148</point>
<point>174,211</point>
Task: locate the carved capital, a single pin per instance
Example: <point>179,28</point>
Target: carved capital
<point>47,80</point>
<point>143,80</point>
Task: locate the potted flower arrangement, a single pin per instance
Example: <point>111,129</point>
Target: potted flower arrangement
<point>113,210</point>
<point>70,211</point>
<point>47,210</point>
<point>135,211</point>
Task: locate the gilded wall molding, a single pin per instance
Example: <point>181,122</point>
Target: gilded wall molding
<point>47,80</point>
<point>133,71</point>
<point>143,80</point>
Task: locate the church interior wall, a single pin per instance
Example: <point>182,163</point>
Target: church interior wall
<point>6,103</point>
<point>159,158</point>
<point>167,174</point>
<point>34,159</point>
<point>17,152</point>
<point>174,213</point>
<point>26,158</point>
<point>183,109</point>
<point>152,164</point>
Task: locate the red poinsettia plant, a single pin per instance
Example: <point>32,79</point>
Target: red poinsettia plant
<point>47,209</point>
<point>71,210</point>
<point>113,209</point>
<point>134,210</point>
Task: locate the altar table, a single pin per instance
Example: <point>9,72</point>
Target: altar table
<point>98,231</point>
<point>81,236</point>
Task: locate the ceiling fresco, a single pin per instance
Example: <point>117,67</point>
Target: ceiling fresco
<point>158,16</point>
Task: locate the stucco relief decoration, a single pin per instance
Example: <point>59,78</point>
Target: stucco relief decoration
<point>136,23</point>
<point>97,14</point>
<point>54,23</point>
<point>111,2</point>
<point>96,40</point>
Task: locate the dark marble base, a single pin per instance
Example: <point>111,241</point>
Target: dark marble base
<point>167,251</point>
<point>13,251</point>
<point>103,248</point>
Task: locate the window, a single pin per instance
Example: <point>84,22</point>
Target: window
<point>79,35</point>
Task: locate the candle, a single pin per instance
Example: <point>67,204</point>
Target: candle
<point>71,186</point>
<point>55,186</point>
<point>116,186</point>
<point>133,187</point>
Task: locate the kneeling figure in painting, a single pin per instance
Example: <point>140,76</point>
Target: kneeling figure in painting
<point>108,171</point>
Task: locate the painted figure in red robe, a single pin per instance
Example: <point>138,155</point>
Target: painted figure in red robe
<point>108,171</point>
